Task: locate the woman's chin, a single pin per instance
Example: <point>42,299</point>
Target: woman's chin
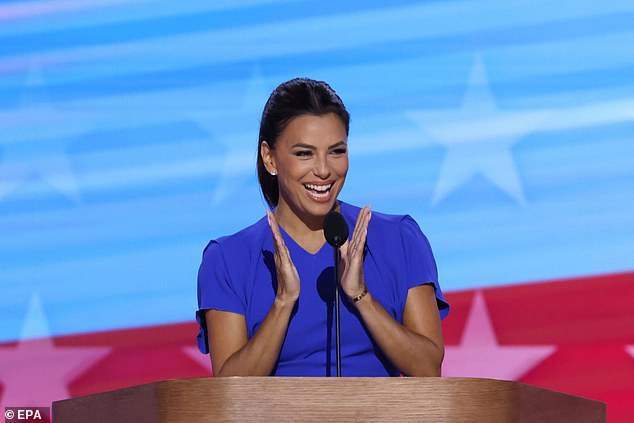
<point>320,208</point>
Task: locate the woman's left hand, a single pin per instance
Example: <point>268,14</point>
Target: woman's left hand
<point>352,281</point>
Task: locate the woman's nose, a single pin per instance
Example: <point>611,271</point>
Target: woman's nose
<point>322,168</point>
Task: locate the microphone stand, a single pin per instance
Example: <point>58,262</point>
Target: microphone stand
<point>337,318</point>
<point>336,233</point>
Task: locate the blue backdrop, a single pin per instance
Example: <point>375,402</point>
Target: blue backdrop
<point>128,134</point>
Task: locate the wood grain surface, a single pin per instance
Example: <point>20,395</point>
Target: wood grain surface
<point>263,399</point>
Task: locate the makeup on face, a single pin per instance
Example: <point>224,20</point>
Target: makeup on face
<point>311,161</point>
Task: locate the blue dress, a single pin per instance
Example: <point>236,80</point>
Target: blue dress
<point>238,274</point>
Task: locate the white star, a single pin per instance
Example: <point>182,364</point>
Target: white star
<point>237,130</point>
<point>202,359</point>
<point>34,142</point>
<point>480,355</point>
<point>36,372</point>
<point>478,138</point>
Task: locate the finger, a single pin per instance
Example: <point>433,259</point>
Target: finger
<point>272,222</point>
<point>269,219</point>
<point>280,246</point>
<point>360,239</point>
<point>359,227</point>
<point>364,232</point>
<point>366,222</point>
<point>344,249</point>
<point>286,254</point>
<point>355,232</point>
<point>275,231</point>
<point>282,258</point>
<point>362,217</point>
<point>343,257</point>
<point>363,220</point>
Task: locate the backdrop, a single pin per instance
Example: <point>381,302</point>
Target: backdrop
<point>128,133</point>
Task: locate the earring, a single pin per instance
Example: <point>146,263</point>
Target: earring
<point>273,173</point>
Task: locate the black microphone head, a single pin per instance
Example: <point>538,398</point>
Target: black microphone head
<point>335,229</point>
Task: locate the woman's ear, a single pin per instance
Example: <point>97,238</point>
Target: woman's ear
<point>267,158</point>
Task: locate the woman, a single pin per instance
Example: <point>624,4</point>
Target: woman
<point>265,294</point>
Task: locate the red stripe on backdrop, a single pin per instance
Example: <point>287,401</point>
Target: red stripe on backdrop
<point>576,330</point>
<point>569,311</point>
<point>141,356</point>
<point>590,322</point>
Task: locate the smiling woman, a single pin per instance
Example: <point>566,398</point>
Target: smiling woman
<point>310,160</point>
<point>265,294</point>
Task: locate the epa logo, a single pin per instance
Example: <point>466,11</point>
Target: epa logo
<point>27,414</point>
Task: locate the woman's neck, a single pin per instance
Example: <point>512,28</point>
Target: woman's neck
<point>307,231</point>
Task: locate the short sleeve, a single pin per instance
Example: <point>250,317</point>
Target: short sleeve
<point>420,264</point>
<point>215,290</point>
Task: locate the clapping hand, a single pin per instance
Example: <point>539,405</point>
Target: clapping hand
<point>352,281</point>
<point>287,276</point>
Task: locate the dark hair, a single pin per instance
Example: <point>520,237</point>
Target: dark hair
<point>299,96</point>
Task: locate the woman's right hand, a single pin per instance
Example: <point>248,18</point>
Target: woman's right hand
<point>287,276</point>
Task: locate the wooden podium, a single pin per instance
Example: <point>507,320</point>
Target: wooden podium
<point>302,399</point>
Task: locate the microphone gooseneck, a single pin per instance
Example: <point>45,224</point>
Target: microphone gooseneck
<point>336,233</point>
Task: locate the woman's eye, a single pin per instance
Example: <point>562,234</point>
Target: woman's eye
<point>303,153</point>
<point>339,151</point>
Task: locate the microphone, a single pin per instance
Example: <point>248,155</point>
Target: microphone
<point>335,229</point>
<point>336,233</point>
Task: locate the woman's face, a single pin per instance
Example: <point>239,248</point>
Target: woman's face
<point>311,162</point>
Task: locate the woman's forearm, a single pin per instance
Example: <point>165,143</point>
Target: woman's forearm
<point>412,353</point>
<point>260,354</point>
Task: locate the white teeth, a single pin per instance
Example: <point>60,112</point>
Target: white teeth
<point>321,188</point>
<point>324,195</point>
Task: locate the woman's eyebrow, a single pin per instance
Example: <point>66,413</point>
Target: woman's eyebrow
<point>312,147</point>
<point>302,145</point>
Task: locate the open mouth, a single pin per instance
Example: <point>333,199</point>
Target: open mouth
<point>319,192</point>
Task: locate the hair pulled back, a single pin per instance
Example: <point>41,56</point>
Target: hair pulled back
<point>299,96</point>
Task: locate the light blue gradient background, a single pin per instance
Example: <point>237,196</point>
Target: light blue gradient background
<point>128,133</point>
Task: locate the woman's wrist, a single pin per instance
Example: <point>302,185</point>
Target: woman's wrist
<point>359,295</point>
<point>283,302</point>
